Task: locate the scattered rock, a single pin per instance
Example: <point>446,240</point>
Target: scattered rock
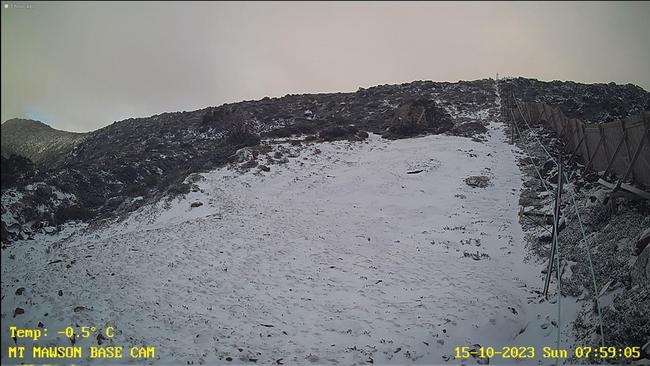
<point>312,358</point>
<point>18,311</point>
<point>469,129</point>
<point>196,204</point>
<point>545,237</point>
<point>476,256</point>
<point>249,164</point>
<point>477,181</point>
<point>333,133</point>
<point>194,178</point>
<point>475,352</point>
<point>243,155</point>
<point>264,168</point>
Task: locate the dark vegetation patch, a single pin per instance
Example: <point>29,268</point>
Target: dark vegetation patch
<point>342,133</point>
<point>64,214</point>
<point>468,129</point>
<point>16,170</point>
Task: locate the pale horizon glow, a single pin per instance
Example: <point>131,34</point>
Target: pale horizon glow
<point>79,66</point>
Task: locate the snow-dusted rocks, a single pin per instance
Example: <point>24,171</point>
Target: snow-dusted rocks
<point>344,253</point>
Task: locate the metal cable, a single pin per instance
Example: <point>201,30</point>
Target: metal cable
<point>534,134</point>
<point>591,265</point>
<point>584,237</point>
<point>530,158</point>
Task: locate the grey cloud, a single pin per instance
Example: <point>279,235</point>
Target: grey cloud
<point>80,66</point>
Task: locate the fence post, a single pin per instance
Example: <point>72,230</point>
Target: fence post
<point>568,138</point>
<point>545,114</point>
<point>577,148</point>
<point>613,157</point>
<point>512,126</point>
<point>600,142</point>
<point>627,145</point>
<point>556,221</point>
<point>564,123</point>
<point>584,132</point>
<point>631,165</point>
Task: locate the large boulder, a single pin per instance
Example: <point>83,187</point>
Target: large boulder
<point>477,181</point>
<point>419,116</point>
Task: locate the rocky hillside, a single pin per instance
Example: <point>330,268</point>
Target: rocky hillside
<point>118,168</point>
<point>35,140</point>
<point>597,103</point>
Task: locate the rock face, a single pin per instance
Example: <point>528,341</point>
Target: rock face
<point>420,116</point>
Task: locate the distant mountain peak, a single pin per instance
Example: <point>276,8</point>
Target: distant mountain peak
<point>35,140</point>
<point>24,122</point>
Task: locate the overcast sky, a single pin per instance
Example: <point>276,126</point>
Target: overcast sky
<point>81,66</point>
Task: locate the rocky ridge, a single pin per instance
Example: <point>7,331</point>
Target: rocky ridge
<point>118,168</point>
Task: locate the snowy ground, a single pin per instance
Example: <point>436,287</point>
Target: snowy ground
<point>339,256</point>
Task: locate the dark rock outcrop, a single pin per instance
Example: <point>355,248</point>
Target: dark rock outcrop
<point>419,116</point>
<point>597,103</point>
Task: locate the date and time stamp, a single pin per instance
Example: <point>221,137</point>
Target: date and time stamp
<point>106,350</point>
<point>526,352</point>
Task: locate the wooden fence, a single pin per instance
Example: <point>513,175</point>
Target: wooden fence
<point>621,147</point>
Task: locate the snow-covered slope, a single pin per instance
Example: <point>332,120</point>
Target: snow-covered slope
<point>351,252</point>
